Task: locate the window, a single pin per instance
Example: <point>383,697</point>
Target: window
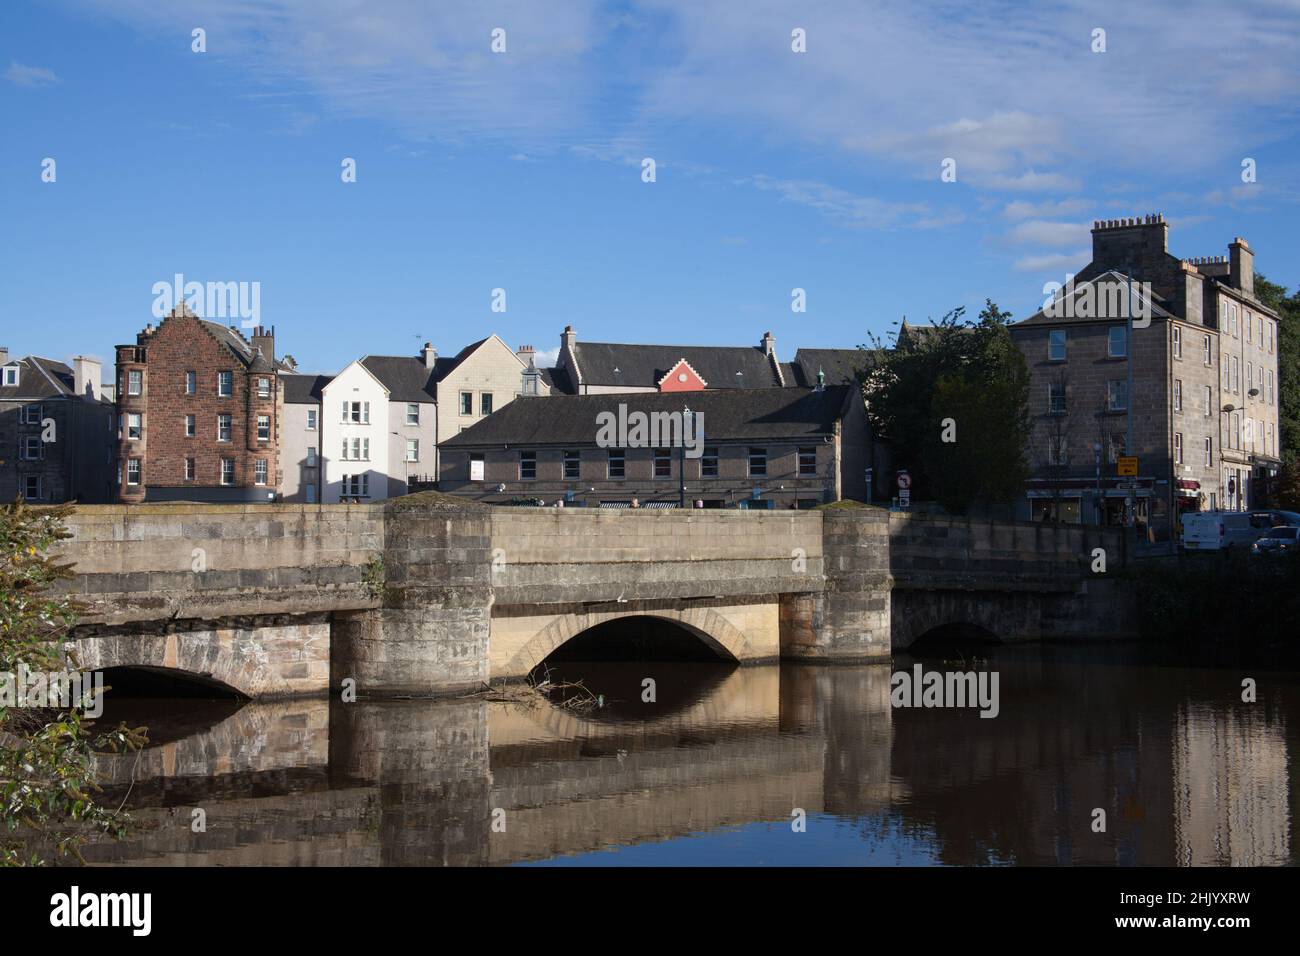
<point>223,428</point>
<point>1236,429</point>
<point>189,469</point>
<point>572,465</point>
<point>1259,381</point>
<point>134,379</point>
<point>1178,394</point>
<point>1178,342</point>
<point>311,419</point>
<point>1249,325</point>
<point>1178,448</point>
<point>467,403</point>
<point>1117,341</point>
<point>1209,453</point>
<point>263,427</point>
<point>758,463</point>
<point>663,463</point>
<point>1272,336</point>
<point>133,471</point>
<point>1117,395</point>
<point>485,403</point>
<point>709,463</point>
<point>227,471</point>
<point>11,375</point>
<point>1250,375</point>
<point>1208,398</point>
<point>356,413</point>
<point>1270,449</point>
<point>32,487</point>
<point>1232,320</point>
<point>191,382</point>
<point>134,428</point>
<point>412,449</point>
<point>263,388</point>
<point>311,456</point>
<point>616,464</point>
<point>225,384</point>
<point>527,465</point>
<point>259,471</point>
<point>189,426</point>
<point>1205,350</point>
<point>1058,452</point>
<point>412,413</point>
<point>31,414</point>
<point>807,462</point>
<point>1056,398</point>
<point>1270,387</point>
<point>356,449</point>
<point>476,466</point>
<point>1116,445</point>
<point>356,486</point>
<point>33,449</point>
<point>1056,345</point>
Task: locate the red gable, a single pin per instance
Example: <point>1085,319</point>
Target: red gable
<point>682,378</point>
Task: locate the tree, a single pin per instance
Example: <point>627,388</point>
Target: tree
<point>953,405</point>
<point>1288,363</point>
<point>46,776</point>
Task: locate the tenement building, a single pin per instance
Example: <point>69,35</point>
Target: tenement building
<point>711,448</point>
<point>56,431</point>
<point>1200,414</point>
<point>199,413</point>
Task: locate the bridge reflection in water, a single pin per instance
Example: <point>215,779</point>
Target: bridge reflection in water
<point>713,771</point>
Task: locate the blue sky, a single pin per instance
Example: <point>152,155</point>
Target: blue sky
<point>522,170</point>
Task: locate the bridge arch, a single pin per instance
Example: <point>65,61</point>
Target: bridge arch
<point>991,616</point>
<point>705,623</point>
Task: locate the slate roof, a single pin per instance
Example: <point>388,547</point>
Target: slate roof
<point>38,378</point>
<point>642,366</point>
<point>406,377</point>
<point>792,414</point>
<point>1111,275</point>
<point>304,389</point>
<point>840,365</point>
<point>238,346</point>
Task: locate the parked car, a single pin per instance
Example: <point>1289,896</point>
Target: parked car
<point>1278,541</point>
<point>1230,530</point>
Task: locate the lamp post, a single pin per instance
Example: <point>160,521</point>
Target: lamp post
<point>681,457</point>
<point>1128,359</point>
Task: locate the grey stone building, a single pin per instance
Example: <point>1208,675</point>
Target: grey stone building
<point>761,448</point>
<point>57,438</point>
<point>1189,408</point>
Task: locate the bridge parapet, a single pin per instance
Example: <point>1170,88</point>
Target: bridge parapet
<point>931,552</point>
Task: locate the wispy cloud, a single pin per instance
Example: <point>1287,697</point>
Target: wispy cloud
<point>848,209</point>
<point>22,75</point>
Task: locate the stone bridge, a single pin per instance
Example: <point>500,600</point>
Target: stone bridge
<point>421,595</point>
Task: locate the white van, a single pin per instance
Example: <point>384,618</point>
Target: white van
<point>1228,530</point>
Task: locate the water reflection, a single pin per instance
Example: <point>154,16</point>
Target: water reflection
<point>712,770</point>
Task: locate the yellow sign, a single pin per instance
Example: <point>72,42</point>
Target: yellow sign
<point>1128,466</point>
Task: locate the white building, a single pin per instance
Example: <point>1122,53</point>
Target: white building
<point>354,436</point>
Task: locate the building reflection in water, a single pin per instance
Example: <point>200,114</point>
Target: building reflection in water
<point>1187,775</point>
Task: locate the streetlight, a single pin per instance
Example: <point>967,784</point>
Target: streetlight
<point>687,418</point>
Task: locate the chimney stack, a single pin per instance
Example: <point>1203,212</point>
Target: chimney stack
<point>1241,266</point>
<point>264,338</point>
<point>568,338</point>
<point>768,343</point>
<point>525,354</point>
<point>429,354</point>
<point>87,379</point>
<point>4,354</point>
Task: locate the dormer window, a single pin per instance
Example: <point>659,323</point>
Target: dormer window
<point>10,375</point>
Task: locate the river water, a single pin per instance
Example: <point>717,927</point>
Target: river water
<point>789,764</point>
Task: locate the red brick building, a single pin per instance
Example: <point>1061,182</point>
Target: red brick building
<point>199,409</point>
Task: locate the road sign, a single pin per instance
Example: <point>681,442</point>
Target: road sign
<point>1128,466</point>
<point>904,498</point>
<point>904,481</point>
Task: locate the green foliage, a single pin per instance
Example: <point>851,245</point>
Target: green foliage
<point>47,782</point>
<point>374,579</point>
<point>973,374</point>
<point>1288,363</point>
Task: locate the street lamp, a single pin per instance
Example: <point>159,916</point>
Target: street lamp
<point>681,457</point>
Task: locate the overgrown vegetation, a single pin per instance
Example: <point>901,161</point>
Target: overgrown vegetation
<point>1287,490</point>
<point>971,375</point>
<point>374,578</point>
<point>47,786</point>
